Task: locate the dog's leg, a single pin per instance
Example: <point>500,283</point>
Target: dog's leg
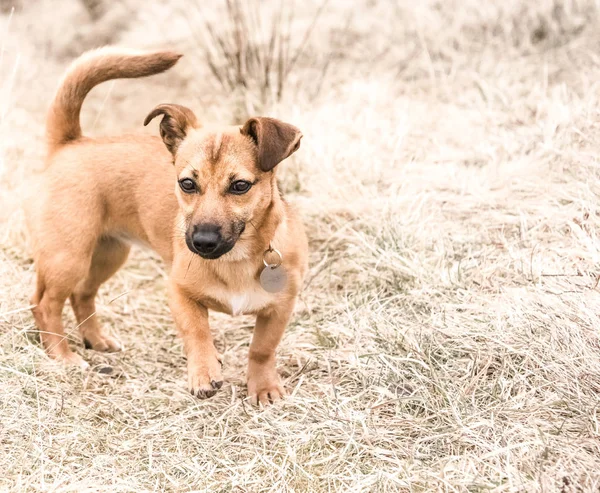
<point>109,255</point>
<point>53,289</point>
<point>203,360</point>
<point>264,384</point>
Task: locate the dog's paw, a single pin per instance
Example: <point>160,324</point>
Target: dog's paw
<point>204,377</point>
<point>72,359</point>
<point>102,342</point>
<point>265,387</point>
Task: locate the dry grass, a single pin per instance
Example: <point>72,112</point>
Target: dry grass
<point>448,336</point>
<point>253,53</point>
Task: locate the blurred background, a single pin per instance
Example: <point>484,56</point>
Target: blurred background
<point>447,338</point>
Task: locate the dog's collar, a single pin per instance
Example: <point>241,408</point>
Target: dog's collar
<point>276,252</point>
<point>273,277</point>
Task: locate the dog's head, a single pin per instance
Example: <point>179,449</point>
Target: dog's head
<point>225,176</point>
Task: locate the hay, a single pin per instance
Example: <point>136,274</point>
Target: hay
<point>447,339</point>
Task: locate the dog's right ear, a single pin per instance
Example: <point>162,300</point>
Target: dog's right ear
<point>175,124</point>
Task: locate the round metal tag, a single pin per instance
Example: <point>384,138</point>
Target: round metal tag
<point>273,279</point>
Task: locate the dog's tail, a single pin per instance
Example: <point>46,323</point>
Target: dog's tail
<point>89,70</point>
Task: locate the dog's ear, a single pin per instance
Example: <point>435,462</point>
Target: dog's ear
<point>275,140</point>
<point>176,122</point>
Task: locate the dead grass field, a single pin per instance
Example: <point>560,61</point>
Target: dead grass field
<point>448,335</point>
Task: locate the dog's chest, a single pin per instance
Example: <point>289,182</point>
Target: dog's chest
<point>247,302</point>
<point>251,300</point>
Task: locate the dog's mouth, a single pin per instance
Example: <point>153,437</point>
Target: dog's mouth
<point>212,245</point>
<point>210,254</point>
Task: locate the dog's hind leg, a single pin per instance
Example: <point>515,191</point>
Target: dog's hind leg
<point>55,282</point>
<point>109,255</point>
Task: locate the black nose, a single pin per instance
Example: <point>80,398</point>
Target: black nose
<point>206,238</point>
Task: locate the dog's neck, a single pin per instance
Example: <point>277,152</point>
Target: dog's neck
<point>270,229</point>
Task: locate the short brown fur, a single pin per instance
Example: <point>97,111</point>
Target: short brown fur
<point>96,196</point>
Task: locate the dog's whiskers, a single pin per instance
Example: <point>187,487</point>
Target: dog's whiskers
<point>189,263</point>
<point>252,224</point>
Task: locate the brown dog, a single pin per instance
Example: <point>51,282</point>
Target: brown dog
<point>208,203</point>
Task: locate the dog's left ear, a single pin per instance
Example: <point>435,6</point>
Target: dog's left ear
<point>175,124</point>
<point>275,140</point>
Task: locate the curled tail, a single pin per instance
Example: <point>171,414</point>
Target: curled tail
<point>89,70</point>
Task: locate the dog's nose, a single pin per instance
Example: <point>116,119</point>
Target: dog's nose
<point>206,238</point>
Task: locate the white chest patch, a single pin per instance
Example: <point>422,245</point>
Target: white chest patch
<point>250,301</point>
<point>239,303</point>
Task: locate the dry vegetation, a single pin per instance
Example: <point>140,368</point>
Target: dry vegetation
<point>448,335</point>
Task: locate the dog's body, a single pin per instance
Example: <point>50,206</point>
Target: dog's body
<point>97,196</point>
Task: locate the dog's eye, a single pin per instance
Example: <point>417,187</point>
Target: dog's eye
<point>187,185</point>
<point>239,187</point>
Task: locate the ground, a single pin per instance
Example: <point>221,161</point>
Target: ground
<point>447,338</point>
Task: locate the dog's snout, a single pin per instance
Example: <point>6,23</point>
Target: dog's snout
<point>209,240</point>
<point>206,238</point>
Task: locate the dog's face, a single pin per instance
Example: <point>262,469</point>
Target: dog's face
<point>225,176</point>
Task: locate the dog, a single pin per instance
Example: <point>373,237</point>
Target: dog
<point>204,197</point>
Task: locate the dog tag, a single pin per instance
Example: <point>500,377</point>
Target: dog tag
<point>273,279</point>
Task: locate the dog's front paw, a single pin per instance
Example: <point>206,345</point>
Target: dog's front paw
<point>101,341</point>
<point>204,376</point>
<point>264,386</point>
